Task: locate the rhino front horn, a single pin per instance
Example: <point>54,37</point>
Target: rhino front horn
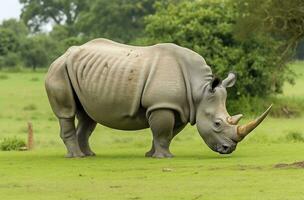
<point>244,130</point>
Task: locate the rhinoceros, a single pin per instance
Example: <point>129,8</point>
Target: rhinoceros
<point>162,87</point>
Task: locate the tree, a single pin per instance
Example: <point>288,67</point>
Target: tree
<point>120,20</point>
<point>281,19</point>
<point>12,34</point>
<point>9,44</point>
<point>207,27</point>
<point>64,41</point>
<point>37,13</point>
<point>16,26</point>
<point>8,41</point>
<point>38,51</point>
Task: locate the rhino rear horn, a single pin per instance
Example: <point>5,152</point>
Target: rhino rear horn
<point>234,120</point>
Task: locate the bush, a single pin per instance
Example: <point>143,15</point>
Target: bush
<point>39,51</point>
<point>207,27</point>
<point>3,76</point>
<point>30,107</point>
<point>12,144</point>
<point>10,60</point>
<point>295,137</point>
<point>8,41</point>
<point>15,69</point>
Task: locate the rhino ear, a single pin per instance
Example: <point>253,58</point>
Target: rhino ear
<point>230,80</point>
<point>214,83</point>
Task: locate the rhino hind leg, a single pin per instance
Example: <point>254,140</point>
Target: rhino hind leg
<point>68,135</point>
<point>85,127</point>
<point>161,123</point>
<point>62,101</point>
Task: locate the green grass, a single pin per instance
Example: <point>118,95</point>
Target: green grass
<point>120,170</point>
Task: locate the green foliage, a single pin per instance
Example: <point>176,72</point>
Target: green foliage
<point>12,34</point>
<point>37,13</point>
<point>207,27</point>
<point>294,137</point>
<point>12,144</point>
<point>71,41</point>
<point>59,32</point>
<point>8,41</point>
<point>17,27</point>
<point>60,35</point>
<point>282,19</point>
<point>34,51</point>
<point>11,59</point>
<point>118,20</point>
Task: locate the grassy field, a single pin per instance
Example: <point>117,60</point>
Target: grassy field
<point>120,170</point>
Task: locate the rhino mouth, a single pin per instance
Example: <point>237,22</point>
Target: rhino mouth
<point>227,147</point>
<point>226,150</point>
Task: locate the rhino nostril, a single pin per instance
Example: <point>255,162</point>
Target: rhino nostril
<point>225,147</point>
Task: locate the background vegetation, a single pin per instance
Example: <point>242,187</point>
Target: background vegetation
<point>256,40</point>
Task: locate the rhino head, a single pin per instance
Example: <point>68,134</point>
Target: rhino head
<point>219,130</point>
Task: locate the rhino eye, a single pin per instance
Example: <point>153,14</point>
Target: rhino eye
<point>217,124</point>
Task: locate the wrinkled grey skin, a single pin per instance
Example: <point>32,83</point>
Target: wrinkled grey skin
<point>163,87</point>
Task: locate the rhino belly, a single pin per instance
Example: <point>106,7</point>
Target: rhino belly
<point>110,89</point>
<point>115,117</point>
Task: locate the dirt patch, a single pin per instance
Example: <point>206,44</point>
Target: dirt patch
<point>292,165</point>
<point>246,167</point>
<point>281,165</point>
<point>238,167</point>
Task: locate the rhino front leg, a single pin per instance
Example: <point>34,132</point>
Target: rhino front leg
<point>176,130</point>
<point>68,135</point>
<point>161,123</point>
<point>151,151</point>
<point>85,127</point>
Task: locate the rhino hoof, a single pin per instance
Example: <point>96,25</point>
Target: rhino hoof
<point>75,155</point>
<point>90,154</point>
<point>149,154</point>
<point>162,155</point>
